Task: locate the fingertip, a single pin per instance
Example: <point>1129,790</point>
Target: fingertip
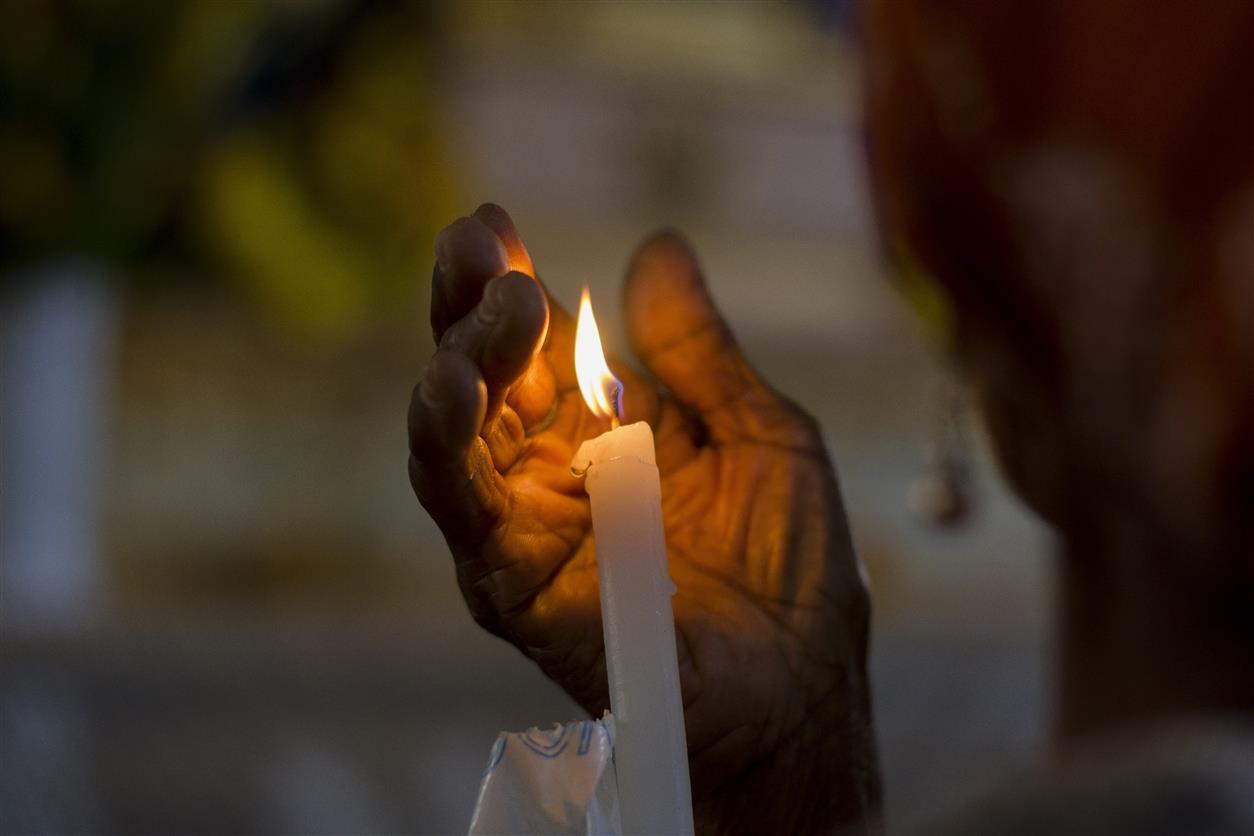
<point>522,295</point>
<point>664,294</point>
<point>667,252</point>
<point>663,264</point>
<point>468,254</point>
<point>666,237</point>
<point>519,311</point>
<point>498,220</point>
<point>488,209</point>
<point>451,402</point>
<point>471,248</point>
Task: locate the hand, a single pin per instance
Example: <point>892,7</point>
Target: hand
<point>772,609</point>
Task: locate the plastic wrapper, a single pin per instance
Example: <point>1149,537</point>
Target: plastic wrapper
<point>555,781</point>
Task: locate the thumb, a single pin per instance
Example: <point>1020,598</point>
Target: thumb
<point>681,338</point>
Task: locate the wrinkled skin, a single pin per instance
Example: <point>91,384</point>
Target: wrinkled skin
<point>772,610</point>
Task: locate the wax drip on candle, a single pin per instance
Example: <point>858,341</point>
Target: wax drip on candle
<point>615,399</point>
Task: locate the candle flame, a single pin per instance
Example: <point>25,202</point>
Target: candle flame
<point>601,390</point>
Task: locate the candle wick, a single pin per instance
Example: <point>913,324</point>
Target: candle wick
<point>616,405</point>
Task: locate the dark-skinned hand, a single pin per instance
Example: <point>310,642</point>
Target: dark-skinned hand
<point>772,609</point>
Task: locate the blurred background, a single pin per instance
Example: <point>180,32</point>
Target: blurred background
<point>221,608</point>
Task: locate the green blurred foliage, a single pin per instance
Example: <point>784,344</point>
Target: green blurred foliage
<point>292,147</point>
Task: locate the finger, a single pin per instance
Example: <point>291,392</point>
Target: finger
<point>468,255</point>
<point>678,333</point>
<point>448,464</point>
<point>498,220</point>
<point>560,342</point>
<point>502,334</point>
<point>477,249</point>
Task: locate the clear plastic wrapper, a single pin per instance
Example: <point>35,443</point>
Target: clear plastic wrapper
<point>555,781</point>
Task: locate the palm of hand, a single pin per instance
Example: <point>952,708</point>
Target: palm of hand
<point>770,607</point>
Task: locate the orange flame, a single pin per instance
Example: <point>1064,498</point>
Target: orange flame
<point>600,389</point>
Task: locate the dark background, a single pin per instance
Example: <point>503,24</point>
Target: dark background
<point>222,609</point>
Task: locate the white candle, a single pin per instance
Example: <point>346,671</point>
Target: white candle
<point>650,747</point>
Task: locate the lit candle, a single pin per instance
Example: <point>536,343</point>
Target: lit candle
<point>650,748</point>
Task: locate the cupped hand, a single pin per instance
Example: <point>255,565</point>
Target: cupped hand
<point>772,609</point>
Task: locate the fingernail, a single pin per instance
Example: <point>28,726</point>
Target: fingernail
<point>492,305</point>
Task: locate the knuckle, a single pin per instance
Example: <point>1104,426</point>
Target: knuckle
<point>457,338</point>
<point>767,416</point>
<point>855,600</point>
<point>421,483</point>
<point>802,428</point>
<point>422,437</point>
<point>482,612</point>
<point>413,415</point>
<point>419,434</point>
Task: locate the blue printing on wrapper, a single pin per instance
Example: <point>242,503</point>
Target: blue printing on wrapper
<point>546,749</point>
<point>585,738</point>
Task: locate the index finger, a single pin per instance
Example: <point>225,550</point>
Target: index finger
<point>468,255</point>
<point>559,344</point>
